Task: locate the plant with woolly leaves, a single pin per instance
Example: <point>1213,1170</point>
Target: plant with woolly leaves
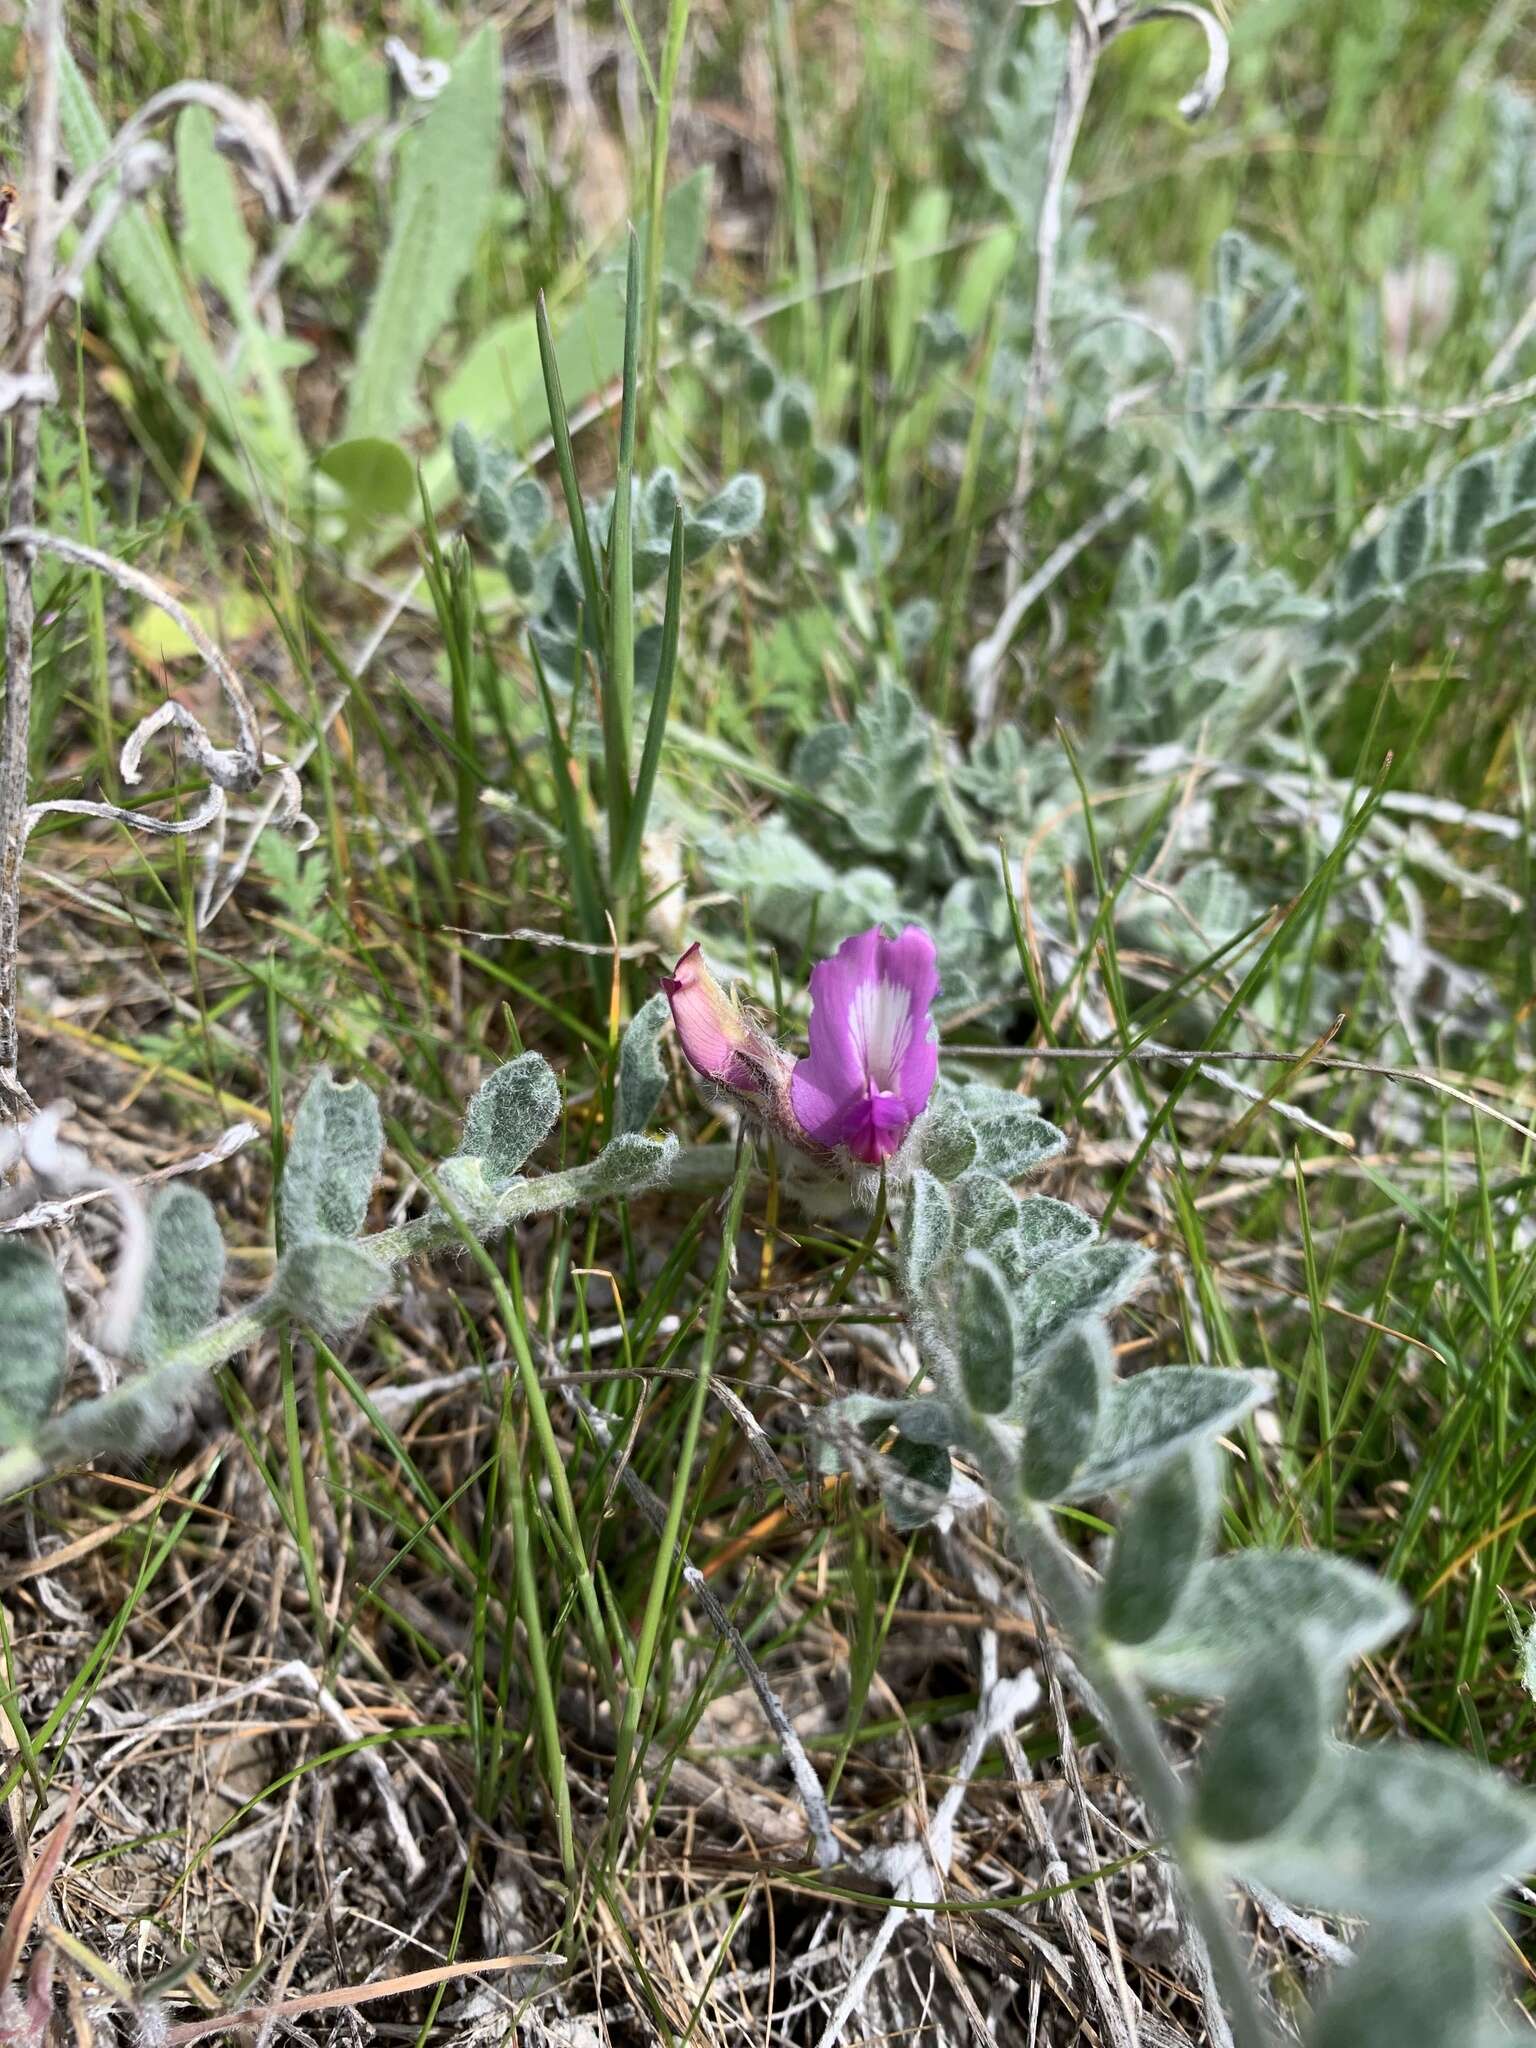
<point>513,515</point>
<point>821,473</point>
<point>1020,1383</point>
<point>329,1276</point>
<point>897,823</point>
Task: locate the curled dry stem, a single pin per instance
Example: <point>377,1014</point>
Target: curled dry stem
<point>248,135</point>
<point>229,769</point>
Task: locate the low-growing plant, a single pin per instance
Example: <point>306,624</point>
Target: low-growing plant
<point>161,1319</point>
<point>1008,1301</point>
<point>1229,638</point>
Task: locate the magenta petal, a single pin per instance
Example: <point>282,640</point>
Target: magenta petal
<point>874,1057</point>
<point>874,1127</point>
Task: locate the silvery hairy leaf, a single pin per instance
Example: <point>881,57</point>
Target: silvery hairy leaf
<point>34,1339</point>
<point>986,1208</point>
<point>1162,1537</point>
<point>985,1333</point>
<point>330,1283</point>
<point>946,1141</point>
<point>1060,1402</point>
<point>845,1428</point>
<point>733,513</point>
<point>630,1163</point>
<point>915,1473</point>
<point>1235,1603</point>
<point>642,1076</point>
<point>1011,1138</point>
<point>1401,1829</point>
<point>184,1274</point>
<point>1428,1986</point>
<point>1161,1413</point>
<point>1088,1281</point>
<point>333,1161</point>
<point>915,1483</point>
<point>1043,1229</point>
<point>928,1228</point>
<point>1267,1748</point>
<point>511,1112</point>
<point>465,1192</point>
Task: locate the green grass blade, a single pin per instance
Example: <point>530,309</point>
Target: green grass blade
<point>661,141</point>
<point>619,681</point>
<point>666,1555</point>
<point>578,845</point>
<point>656,724</point>
<point>565,463</point>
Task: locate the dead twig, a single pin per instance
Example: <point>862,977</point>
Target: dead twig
<point>16,553</point>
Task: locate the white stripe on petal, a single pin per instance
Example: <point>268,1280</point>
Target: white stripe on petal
<point>880,1020</point>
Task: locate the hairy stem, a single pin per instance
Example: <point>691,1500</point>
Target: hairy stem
<point>89,1427</point>
<point>1134,1732</point>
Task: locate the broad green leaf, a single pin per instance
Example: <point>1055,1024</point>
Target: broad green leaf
<point>154,638</point>
<point>138,250</point>
<point>499,386</point>
<point>981,275</point>
<point>914,271</point>
<point>1470,492</point>
<point>396,334</point>
<point>449,171</point>
<point>215,245</point>
<point>467,1195</point>
<point>127,1422</point>
<point>685,224</point>
<point>376,477</point>
<point>139,255</point>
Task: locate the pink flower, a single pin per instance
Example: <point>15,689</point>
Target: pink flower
<point>874,1054</point>
<point>873,1059</point>
<point>722,1044</point>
